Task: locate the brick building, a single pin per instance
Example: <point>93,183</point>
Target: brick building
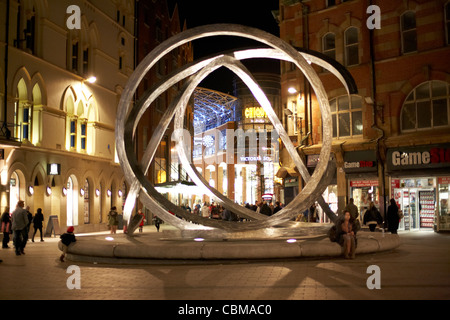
<point>392,138</point>
<point>155,24</point>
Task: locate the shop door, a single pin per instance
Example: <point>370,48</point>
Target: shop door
<point>406,199</point>
<point>413,209</point>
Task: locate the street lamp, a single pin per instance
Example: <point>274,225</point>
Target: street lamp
<point>91,79</point>
<point>292,90</point>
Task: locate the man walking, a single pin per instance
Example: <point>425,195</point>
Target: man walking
<point>352,209</point>
<point>19,227</point>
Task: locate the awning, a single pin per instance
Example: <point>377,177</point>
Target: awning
<point>283,172</point>
<point>180,187</point>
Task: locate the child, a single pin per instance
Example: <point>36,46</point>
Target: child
<point>66,239</point>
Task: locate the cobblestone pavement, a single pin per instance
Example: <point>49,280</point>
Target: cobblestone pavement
<point>418,269</point>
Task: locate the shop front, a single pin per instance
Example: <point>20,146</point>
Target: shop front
<point>419,183</point>
<point>362,174</point>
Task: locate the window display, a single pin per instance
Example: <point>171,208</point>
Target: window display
<point>416,197</point>
<point>427,208</point>
<point>363,193</point>
<point>443,198</point>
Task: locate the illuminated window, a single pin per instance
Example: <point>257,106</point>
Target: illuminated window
<point>347,116</point>
<point>161,163</point>
<point>83,136</point>
<point>73,134</point>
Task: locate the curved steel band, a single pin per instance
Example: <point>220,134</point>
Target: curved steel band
<point>129,116</point>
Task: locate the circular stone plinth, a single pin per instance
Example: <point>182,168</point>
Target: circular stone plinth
<point>155,248</point>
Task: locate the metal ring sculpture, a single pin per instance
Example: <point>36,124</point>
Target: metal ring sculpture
<point>129,115</point>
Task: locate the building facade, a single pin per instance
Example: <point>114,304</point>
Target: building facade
<point>65,66</point>
<point>391,139</point>
<point>155,24</point>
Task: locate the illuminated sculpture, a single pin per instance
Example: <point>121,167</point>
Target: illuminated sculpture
<point>129,115</point>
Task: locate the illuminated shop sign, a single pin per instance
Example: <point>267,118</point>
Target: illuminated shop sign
<point>360,161</point>
<point>255,112</point>
<point>433,156</point>
<point>255,159</point>
<point>359,164</point>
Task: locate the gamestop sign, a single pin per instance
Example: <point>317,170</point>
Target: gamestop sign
<point>433,156</point>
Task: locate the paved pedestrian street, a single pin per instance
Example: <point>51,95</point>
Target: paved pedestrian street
<point>418,269</point>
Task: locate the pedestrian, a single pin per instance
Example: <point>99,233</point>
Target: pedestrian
<point>372,217</point>
<point>352,208</point>
<point>205,210</point>
<point>66,239</point>
<point>157,223</point>
<point>141,225</point>
<point>393,217</point>
<point>19,227</point>
<point>6,228</point>
<point>346,236</point>
<point>37,222</point>
<point>265,209</point>
<point>113,220</point>
<point>277,207</point>
<point>30,218</point>
<point>313,213</point>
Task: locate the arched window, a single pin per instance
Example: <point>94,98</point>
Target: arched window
<point>409,32</point>
<point>426,107</point>
<point>23,111</point>
<point>351,47</point>
<point>347,116</point>
<point>80,115</point>
<point>329,45</point>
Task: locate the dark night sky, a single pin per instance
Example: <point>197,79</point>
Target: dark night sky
<point>253,13</point>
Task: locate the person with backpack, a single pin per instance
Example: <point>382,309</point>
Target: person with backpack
<point>372,217</point>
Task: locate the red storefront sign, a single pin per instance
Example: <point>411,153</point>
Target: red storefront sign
<point>395,183</point>
<point>363,183</point>
<point>444,180</point>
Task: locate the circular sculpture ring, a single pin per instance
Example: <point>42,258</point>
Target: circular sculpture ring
<point>129,116</point>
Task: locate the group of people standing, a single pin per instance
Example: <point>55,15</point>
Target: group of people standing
<point>18,224</point>
<point>214,211</point>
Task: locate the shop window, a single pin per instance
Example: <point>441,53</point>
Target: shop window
<point>346,114</point>
<point>160,167</point>
<point>426,107</point>
<point>408,32</point>
<point>443,197</point>
<point>329,45</point>
<point>351,47</point>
